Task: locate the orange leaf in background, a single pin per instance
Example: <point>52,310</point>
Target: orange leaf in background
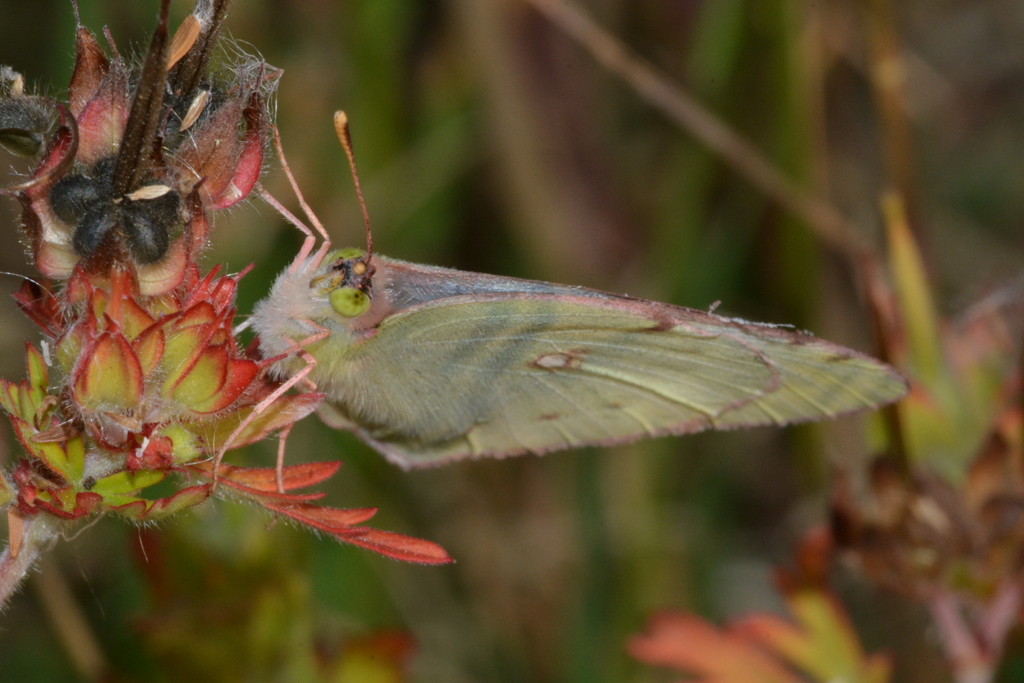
<point>762,648</point>
<point>822,643</point>
<point>692,645</point>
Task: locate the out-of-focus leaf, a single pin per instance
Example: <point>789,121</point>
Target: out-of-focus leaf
<point>822,643</point>
<point>690,644</point>
<point>911,282</point>
<point>760,648</point>
<point>958,372</point>
<point>378,658</point>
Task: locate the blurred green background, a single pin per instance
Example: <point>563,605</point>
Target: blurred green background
<point>488,141</point>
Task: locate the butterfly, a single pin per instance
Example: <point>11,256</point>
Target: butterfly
<point>429,365</point>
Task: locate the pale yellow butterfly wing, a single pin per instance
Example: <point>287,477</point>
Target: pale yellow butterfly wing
<point>503,374</point>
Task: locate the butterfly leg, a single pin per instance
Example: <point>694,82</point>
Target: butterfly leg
<point>282,438</point>
<point>307,245</point>
<point>298,377</point>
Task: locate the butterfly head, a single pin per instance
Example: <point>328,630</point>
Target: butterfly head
<point>347,283</point>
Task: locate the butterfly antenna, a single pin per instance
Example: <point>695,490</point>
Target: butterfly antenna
<point>341,128</point>
<point>310,239</point>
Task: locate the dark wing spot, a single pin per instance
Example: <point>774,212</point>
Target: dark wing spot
<point>661,325</point>
<point>549,417</point>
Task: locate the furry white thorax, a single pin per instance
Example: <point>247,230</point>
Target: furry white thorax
<point>281,318</point>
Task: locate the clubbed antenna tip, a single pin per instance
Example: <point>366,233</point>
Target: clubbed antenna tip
<point>341,128</point>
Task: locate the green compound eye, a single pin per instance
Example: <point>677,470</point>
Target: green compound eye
<point>349,301</point>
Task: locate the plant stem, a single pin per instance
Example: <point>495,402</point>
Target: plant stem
<point>68,621</point>
<point>962,649</point>
<point>975,646</point>
<point>38,533</point>
<point>658,90</point>
<point>888,77</point>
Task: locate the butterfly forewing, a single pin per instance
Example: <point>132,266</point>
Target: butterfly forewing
<point>498,374</point>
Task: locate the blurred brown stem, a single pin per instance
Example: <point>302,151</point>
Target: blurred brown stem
<point>68,621</point>
<point>888,75</point>
<point>659,91</point>
<point>874,285</point>
<point>974,646</point>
